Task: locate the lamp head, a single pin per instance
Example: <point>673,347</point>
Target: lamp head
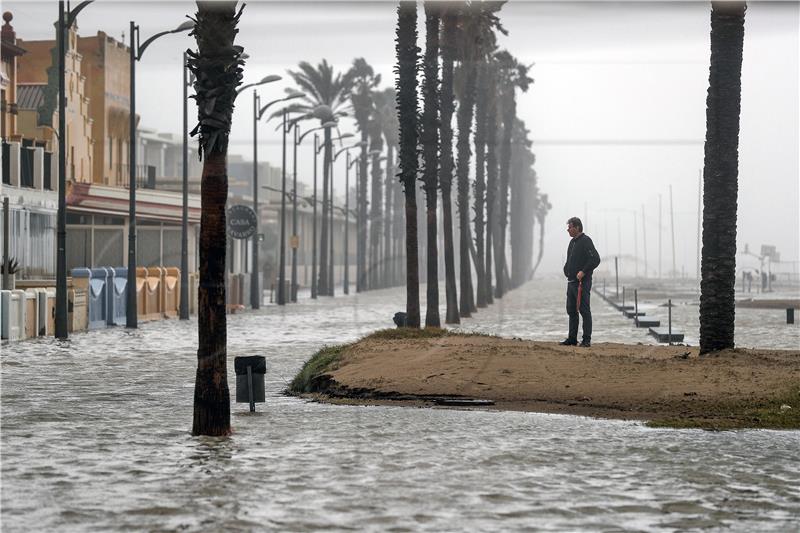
<point>185,26</point>
<point>270,78</point>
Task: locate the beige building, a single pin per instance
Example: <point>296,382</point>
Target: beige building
<point>37,72</point>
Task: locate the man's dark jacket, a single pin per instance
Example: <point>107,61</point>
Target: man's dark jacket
<point>581,255</point>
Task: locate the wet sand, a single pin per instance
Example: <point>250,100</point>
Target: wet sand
<point>732,388</point>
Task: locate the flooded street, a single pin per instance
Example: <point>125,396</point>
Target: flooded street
<point>95,436</point>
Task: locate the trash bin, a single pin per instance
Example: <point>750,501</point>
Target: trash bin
<point>250,388</point>
<point>98,298</point>
<point>31,324</point>
<point>116,296</point>
<point>170,288</point>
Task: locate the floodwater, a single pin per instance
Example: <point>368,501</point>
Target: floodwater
<point>95,437</point>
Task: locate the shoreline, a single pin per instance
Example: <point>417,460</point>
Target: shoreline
<point>667,386</point>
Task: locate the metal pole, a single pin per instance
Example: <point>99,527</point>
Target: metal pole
<point>282,251</point>
<point>635,246</point>
<point>644,242</point>
<point>184,307</point>
<point>636,307</point>
<point>131,319</point>
<point>255,286</point>
<point>616,274</point>
<point>669,315</point>
<point>659,235</point>
<point>346,281</point>
<point>672,229</point>
<point>61,217</point>
<point>330,235</point>
<point>6,236</point>
<point>314,227</point>
<point>294,219</point>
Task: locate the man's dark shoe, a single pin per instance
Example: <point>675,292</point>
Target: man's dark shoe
<point>568,342</point>
<point>585,344</point>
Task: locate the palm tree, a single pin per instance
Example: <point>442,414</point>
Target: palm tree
<point>375,214</point>
<point>364,83</point>
<point>406,87</point>
<point>217,68</point>
<point>326,97</point>
<point>513,75</point>
<point>430,147</point>
<point>384,106</point>
<point>491,172</point>
<point>446,98</point>
<point>522,209</point>
<point>476,38</point>
<point>543,207</point>
<point>720,175</point>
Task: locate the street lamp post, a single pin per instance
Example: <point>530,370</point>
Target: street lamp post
<point>317,148</point>
<point>348,164</point>
<point>184,306</point>
<point>255,278</point>
<point>65,21</point>
<point>136,51</point>
<point>295,239</point>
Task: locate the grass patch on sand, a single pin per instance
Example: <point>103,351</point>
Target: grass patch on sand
<point>769,414</point>
<point>324,360</point>
<point>327,359</point>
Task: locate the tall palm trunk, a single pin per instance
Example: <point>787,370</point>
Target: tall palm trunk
<point>406,86</point>
<point>465,112</point>
<point>217,67</point>
<point>449,32</point>
<point>491,177</point>
<point>361,188</point>
<point>387,218</point>
<point>376,216</point>
<point>480,183</point>
<point>399,233</point>
<point>323,287</point>
<point>720,174</point>
<point>509,113</point>
<point>430,147</point>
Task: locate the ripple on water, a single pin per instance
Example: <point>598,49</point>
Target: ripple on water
<point>95,435</point>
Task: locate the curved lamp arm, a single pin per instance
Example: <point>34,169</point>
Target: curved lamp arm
<point>284,99</point>
<point>72,15</point>
<point>265,79</point>
<point>186,26</point>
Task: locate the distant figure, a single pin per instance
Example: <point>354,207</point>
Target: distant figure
<point>582,259</point>
<point>400,319</point>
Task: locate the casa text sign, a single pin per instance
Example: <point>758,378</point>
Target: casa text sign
<point>242,222</point>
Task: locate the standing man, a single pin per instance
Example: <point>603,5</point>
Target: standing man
<point>582,259</point>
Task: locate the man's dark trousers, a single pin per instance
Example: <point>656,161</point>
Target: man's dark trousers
<point>585,311</point>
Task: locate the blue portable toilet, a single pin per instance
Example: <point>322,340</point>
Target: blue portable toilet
<point>116,296</point>
<point>98,283</point>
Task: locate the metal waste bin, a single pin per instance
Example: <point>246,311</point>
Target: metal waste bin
<point>250,373</point>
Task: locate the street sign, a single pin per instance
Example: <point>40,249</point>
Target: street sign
<point>242,222</point>
<point>294,241</point>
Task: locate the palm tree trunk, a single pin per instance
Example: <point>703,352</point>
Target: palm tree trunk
<point>449,32</point>
<point>491,178</point>
<point>376,146</point>
<point>509,113</point>
<point>217,70</point>
<point>465,112</point>
<point>322,286</point>
<point>406,85</point>
<point>361,245</point>
<point>387,218</point>
<point>720,175</point>
<point>480,184</point>
<point>430,147</point>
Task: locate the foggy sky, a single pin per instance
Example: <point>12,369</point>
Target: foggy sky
<point>616,112</point>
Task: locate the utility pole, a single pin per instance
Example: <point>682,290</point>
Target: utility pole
<point>644,241</point>
<point>672,227</point>
<point>659,235</point>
